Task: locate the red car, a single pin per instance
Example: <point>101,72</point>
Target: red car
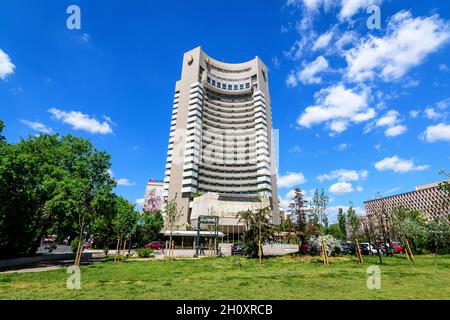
<point>155,245</point>
<point>397,247</point>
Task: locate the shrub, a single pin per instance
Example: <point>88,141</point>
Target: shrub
<point>74,245</point>
<point>333,246</point>
<point>144,252</point>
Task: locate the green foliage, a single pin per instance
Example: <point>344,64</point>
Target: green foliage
<point>438,235</point>
<point>258,227</point>
<point>342,221</point>
<point>353,222</point>
<point>50,185</point>
<point>298,207</point>
<point>74,244</point>
<point>144,252</point>
<point>2,126</point>
<point>125,221</point>
<point>150,226</point>
<point>335,231</point>
<point>318,217</point>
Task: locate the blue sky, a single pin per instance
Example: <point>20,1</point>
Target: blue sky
<point>359,111</point>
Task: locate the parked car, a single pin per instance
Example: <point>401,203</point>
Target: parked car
<point>237,248</point>
<point>87,245</point>
<point>397,247</point>
<point>303,248</point>
<point>367,249</point>
<point>155,245</point>
<point>348,248</point>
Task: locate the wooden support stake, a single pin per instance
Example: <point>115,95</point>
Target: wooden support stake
<point>124,249</point>
<point>117,250</point>
<point>358,251</point>
<point>411,256</point>
<point>173,245</point>
<point>260,252</point>
<point>77,263</point>
<point>324,254</point>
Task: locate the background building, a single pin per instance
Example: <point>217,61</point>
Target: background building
<point>221,150</point>
<point>428,199</point>
<point>154,196</point>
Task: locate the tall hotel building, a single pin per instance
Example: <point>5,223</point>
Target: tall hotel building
<point>221,148</point>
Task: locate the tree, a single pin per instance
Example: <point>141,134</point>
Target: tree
<point>335,231</point>
<point>410,225</point>
<point>353,222</point>
<point>150,226</point>
<point>50,184</point>
<point>314,212</point>
<point>323,199</point>
<point>172,216</point>
<point>318,216</point>
<point>298,207</point>
<point>2,126</point>
<point>125,220</point>
<point>258,227</point>
<point>438,234</point>
<point>342,222</point>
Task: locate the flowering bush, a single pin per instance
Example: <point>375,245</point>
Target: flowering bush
<point>333,246</point>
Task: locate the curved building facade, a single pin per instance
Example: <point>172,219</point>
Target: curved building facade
<point>221,139</point>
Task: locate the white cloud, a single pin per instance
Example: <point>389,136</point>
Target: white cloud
<point>81,121</point>
<point>344,175</point>
<point>351,7</point>
<point>323,41</point>
<point>439,132</point>
<point>37,126</point>
<point>337,106</point>
<point>345,39</point>
<point>6,66</point>
<point>389,119</point>
<point>341,188</point>
<point>123,182</point>
<point>431,114</point>
<point>395,131</point>
<point>359,189</point>
<point>291,179</point>
<point>443,104</point>
<point>408,41</point>
<point>414,113</point>
<point>342,147</point>
<point>291,80</point>
<point>309,73</point>
<point>392,122</point>
<point>398,165</point>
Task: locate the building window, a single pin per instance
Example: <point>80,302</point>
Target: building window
<point>224,86</point>
<point>247,85</point>
<point>219,84</point>
<point>235,87</point>
<point>241,86</point>
<point>209,80</point>
<point>230,87</point>
<point>214,82</point>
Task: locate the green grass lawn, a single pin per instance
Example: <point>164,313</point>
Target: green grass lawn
<point>289,277</point>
